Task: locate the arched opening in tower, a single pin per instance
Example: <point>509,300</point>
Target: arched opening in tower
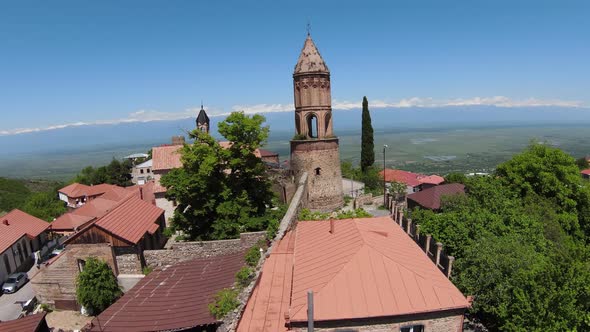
<point>312,125</point>
<point>327,124</point>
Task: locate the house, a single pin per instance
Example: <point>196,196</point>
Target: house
<point>585,173</point>
<point>118,236</point>
<point>76,194</point>
<point>364,274</point>
<point>20,236</point>
<point>414,181</point>
<point>97,207</point>
<point>142,173</point>
<point>31,323</point>
<point>174,298</point>
<point>430,198</point>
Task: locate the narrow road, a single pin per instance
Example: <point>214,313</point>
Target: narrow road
<point>8,309</point>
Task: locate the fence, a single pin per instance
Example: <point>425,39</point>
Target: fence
<point>433,249</point>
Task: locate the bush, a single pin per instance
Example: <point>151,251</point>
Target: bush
<point>96,286</point>
<point>243,276</point>
<point>226,300</point>
<point>147,270</point>
<point>169,232</point>
<point>45,307</point>
<point>306,214</point>
<point>299,137</point>
<point>253,256</point>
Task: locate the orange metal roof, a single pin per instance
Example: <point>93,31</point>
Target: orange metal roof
<point>431,179</point>
<point>367,268</point>
<point>166,157</point>
<point>430,198</point>
<point>409,178</point>
<point>108,191</point>
<point>17,224</point>
<point>95,208</point>
<point>270,299</point>
<point>131,219</point>
<point>585,172</point>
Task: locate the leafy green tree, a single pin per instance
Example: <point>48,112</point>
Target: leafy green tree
<point>44,205</point>
<point>582,163</point>
<point>13,193</point>
<point>367,144</point>
<point>116,172</point>
<point>456,178</point>
<point>551,173</point>
<point>96,286</point>
<point>221,192</point>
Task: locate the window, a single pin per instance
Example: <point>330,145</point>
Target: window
<point>312,126</point>
<point>318,171</point>
<point>148,170</point>
<point>141,171</point>
<point>412,328</point>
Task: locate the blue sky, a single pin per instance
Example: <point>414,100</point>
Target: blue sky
<point>65,62</point>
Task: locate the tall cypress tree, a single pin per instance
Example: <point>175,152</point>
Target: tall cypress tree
<point>367,145</point>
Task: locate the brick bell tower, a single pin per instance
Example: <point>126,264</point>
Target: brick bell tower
<point>314,149</point>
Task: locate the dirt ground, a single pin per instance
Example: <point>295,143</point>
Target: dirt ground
<point>67,320</point>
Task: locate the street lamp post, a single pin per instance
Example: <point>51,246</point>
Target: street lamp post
<point>384,183</point>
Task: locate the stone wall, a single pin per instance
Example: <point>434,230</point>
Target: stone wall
<point>321,160</point>
<point>449,321</point>
<point>128,260</point>
<point>183,251</point>
<point>165,205</point>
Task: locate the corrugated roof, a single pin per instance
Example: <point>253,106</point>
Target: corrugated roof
<point>266,308</point>
<point>31,323</point>
<point>105,190</point>
<point>176,297</point>
<point>95,208</point>
<point>367,268</point>
<point>166,157</point>
<point>586,172</point>
<point>17,224</point>
<point>430,198</point>
<point>131,219</point>
<point>145,164</point>
<point>310,60</point>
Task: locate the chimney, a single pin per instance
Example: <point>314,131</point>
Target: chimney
<point>5,222</point>
<point>331,226</point>
<point>177,140</point>
<point>141,193</point>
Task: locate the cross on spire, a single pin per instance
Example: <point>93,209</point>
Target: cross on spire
<point>308,27</point>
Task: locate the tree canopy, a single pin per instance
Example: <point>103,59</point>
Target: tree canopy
<point>116,172</point>
<point>221,192</point>
<point>367,144</point>
<point>97,286</point>
<point>520,243</point>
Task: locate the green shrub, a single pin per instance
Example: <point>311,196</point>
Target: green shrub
<point>272,229</point>
<point>299,137</point>
<point>253,256</point>
<point>243,276</point>
<point>169,232</point>
<point>226,300</point>
<point>46,307</point>
<point>147,270</point>
<point>96,286</point>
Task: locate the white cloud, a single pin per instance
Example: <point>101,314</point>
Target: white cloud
<point>153,115</point>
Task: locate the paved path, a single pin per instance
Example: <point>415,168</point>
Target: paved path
<point>8,309</point>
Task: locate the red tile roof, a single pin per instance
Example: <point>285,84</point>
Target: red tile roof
<point>431,179</point>
<point>17,224</point>
<point>32,323</point>
<point>131,219</point>
<point>367,268</point>
<point>69,222</point>
<point>174,298</point>
<point>166,157</point>
<point>409,178</point>
<point>108,191</point>
<point>430,198</point>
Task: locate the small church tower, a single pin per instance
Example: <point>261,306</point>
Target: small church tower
<point>203,120</point>
<point>314,149</point>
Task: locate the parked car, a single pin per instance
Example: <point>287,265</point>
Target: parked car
<point>14,282</point>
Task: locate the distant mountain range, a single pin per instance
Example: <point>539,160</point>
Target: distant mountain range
<point>93,137</point>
